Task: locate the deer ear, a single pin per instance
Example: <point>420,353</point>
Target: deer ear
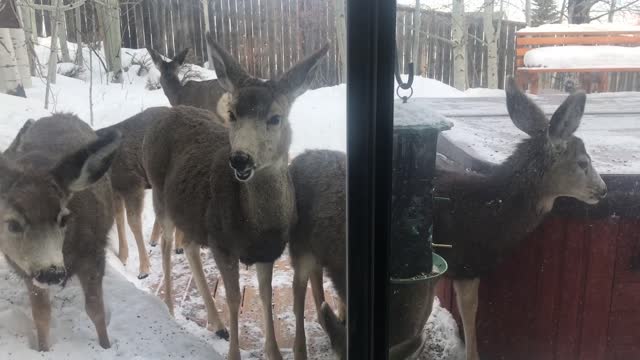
<point>335,329</point>
<point>181,56</point>
<point>16,144</point>
<point>524,113</point>
<point>81,169</point>
<point>230,74</point>
<point>298,79</point>
<point>566,120</point>
<point>157,59</point>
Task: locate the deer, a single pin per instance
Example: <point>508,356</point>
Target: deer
<point>228,188</point>
<point>489,215</point>
<point>318,242</point>
<point>129,182</point>
<point>56,211</point>
<point>201,94</point>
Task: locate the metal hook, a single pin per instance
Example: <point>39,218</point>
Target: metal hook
<point>401,84</point>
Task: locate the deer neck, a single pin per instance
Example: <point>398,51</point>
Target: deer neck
<point>268,199</point>
<point>172,87</point>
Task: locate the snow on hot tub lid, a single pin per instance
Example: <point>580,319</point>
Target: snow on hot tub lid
<point>569,28</point>
<point>418,115</point>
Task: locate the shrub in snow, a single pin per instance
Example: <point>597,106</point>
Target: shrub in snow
<point>71,70</point>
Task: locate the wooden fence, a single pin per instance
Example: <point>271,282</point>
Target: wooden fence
<point>268,36</point>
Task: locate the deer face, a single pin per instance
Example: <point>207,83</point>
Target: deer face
<point>568,170</point>
<point>168,69</point>
<point>258,111</point>
<point>33,206</point>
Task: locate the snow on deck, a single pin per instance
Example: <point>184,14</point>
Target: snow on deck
<point>573,57</point>
<point>610,128</point>
<point>568,28</point>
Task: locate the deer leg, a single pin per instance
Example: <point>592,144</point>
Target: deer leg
<point>41,311</point>
<point>179,247</point>
<point>166,244</point>
<point>302,270</point>
<point>123,247</point>
<point>265,275</point>
<point>467,299</point>
<point>91,282</point>
<point>192,251</point>
<point>228,266</point>
<point>134,203</point>
<point>155,233</point>
<point>318,290</point>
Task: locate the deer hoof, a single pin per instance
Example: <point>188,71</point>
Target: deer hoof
<point>179,251</point>
<point>143,276</point>
<point>223,334</point>
<point>153,244</point>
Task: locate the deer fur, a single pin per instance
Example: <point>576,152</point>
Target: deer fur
<point>205,94</point>
<point>56,211</point>
<point>488,216</point>
<point>318,241</point>
<point>229,188</point>
<point>129,182</point>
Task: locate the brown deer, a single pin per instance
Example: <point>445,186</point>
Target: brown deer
<point>201,94</point>
<point>56,211</point>
<point>229,188</point>
<point>488,216</point>
<point>318,241</point>
<point>129,181</point>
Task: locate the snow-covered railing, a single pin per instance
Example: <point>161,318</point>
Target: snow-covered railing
<point>564,48</point>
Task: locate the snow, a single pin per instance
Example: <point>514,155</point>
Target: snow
<point>139,324</point>
<point>574,56</point>
<point>593,27</point>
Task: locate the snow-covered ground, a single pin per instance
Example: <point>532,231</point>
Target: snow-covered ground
<point>139,324</point>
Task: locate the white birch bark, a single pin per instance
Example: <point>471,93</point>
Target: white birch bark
<point>20,46</point>
<point>62,36</point>
<point>8,64</point>
<point>109,15</point>
<point>459,34</point>
<point>491,39</point>
<point>341,34</point>
<point>207,28</point>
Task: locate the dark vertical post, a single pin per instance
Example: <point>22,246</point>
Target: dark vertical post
<point>370,35</point>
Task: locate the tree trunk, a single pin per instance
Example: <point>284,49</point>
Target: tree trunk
<point>415,47</point>
<point>53,58</point>
<point>8,65</point>
<point>109,17</point>
<point>612,10</point>
<point>458,33</point>
<point>527,12</point>
<point>79,55</point>
<point>62,36</point>
<point>341,35</point>
<point>20,46</point>
<point>492,45</point>
<point>28,20</point>
<point>207,28</point>
<point>579,11</point>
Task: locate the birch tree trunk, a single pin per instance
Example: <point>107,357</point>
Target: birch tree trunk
<point>27,17</point>
<point>109,17</point>
<point>10,83</point>
<point>20,46</point>
<point>492,45</point>
<point>62,36</point>
<point>341,34</point>
<point>207,28</point>
<point>527,12</point>
<point>417,23</point>
<point>612,10</point>
<point>79,55</point>
<point>458,34</point>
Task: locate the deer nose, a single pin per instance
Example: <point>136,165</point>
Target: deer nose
<point>240,161</point>
<point>51,276</point>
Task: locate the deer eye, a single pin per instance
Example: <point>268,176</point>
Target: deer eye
<point>64,220</point>
<point>274,120</point>
<point>232,116</point>
<point>584,164</point>
<point>14,227</point>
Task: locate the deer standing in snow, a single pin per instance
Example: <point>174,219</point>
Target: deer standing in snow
<point>56,211</point>
<point>229,188</point>
<point>489,216</point>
